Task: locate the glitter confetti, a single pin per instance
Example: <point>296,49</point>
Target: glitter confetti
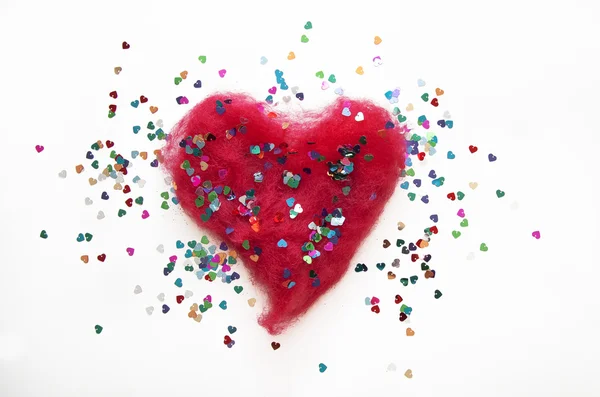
<point>219,194</point>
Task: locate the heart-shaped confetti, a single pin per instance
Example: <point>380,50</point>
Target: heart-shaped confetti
<point>262,252</point>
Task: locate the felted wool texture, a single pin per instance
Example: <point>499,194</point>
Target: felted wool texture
<point>371,185</point>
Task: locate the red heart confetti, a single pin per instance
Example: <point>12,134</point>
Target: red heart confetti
<point>255,168</point>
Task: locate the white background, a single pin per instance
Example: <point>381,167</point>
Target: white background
<point>521,81</point>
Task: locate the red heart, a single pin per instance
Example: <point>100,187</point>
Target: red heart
<point>375,309</point>
<point>434,229</point>
<point>101,257</point>
<point>403,317</point>
<point>126,189</point>
<point>451,196</point>
<point>179,298</point>
<point>398,299</point>
<point>226,340</point>
<point>113,94</point>
<point>473,149</point>
<point>143,99</point>
<point>129,202</point>
<point>126,45</point>
<point>112,108</point>
<point>435,102</point>
<point>226,129</point>
<point>110,144</point>
<point>414,257</point>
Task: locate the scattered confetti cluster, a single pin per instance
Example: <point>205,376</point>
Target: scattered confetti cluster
<point>113,169</point>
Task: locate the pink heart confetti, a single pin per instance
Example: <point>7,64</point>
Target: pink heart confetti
<point>536,234</point>
<point>328,246</point>
<point>374,300</point>
<point>222,72</point>
<point>39,148</point>
<point>173,258</point>
<point>145,214</point>
<point>208,298</point>
<point>273,90</point>
<point>130,251</point>
<point>225,268</point>
<point>461,213</point>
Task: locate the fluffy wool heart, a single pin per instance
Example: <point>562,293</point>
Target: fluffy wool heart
<point>318,180</point>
